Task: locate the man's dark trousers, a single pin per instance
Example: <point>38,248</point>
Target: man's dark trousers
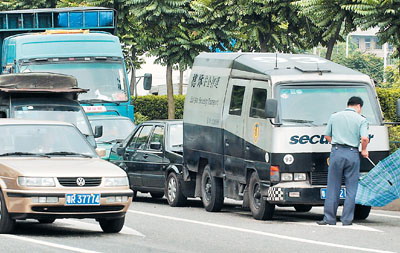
<point>343,161</point>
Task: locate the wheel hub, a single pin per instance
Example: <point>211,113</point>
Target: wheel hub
<point>172,189</point>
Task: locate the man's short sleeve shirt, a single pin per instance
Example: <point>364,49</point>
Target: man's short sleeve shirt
<point>347,127</point>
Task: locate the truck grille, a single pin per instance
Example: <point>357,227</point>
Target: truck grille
<point>320,178</point>
<point>71,181</point>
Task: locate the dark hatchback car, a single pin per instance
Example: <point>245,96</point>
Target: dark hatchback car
<point>152,158</point>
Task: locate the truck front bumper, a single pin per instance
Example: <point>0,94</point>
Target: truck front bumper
<point>293,194</point>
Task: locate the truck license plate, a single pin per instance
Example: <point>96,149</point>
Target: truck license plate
<point>342,194</point>
<point>82,199</point>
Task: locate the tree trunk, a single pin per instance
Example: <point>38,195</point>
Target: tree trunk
<point>329,48</point>
<point>180,82</point>
<point>170,93</point>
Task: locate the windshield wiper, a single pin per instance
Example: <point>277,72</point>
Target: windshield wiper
<point>300,121</point>
<point>68,153</point>
<point>23,154</point>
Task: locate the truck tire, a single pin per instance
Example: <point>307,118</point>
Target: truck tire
<point>157,195</point>
<point>173,191</point>
<point>302,208</point>
<point>361,212</point>
<point>260,208</point>
<point>112,225</point>
<point>212,191</point>
<point>6,223</point>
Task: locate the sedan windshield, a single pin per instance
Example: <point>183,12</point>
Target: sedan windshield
<point>312,106</point>
<point>70,114</point>
<point>105,81</point>
<point>24,140</point>
<point>113,129</point>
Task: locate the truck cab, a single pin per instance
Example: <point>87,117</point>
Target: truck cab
<point>44,96</point>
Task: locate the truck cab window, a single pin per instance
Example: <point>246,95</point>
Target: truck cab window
<point>139,140</point>
<point>258,100</point>
<point>235,107</point>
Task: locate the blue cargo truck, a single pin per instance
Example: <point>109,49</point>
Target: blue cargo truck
<point>72,41</point>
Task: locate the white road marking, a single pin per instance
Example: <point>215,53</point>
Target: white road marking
<point>261,233</point>
<point>96,227</point>
<point>385,215</point>
<point>338,226</point>
<point>54,245</point>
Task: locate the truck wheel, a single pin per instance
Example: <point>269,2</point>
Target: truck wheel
<point>46,221</point>
<point>112,225</point>
<point>260,208</point>
<point>157,195</point>
<point>6,223</point>
<point>361,212</point>
<point>211,191</point>
<point>173,191</point>
<point>134,195</point>
<point>302,208</point>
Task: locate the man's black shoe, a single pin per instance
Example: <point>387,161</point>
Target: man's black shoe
<point>347,224</point>
<point>322,222</point>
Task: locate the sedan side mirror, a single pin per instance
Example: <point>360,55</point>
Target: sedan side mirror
<point>155,145</point>
<point>271,108</point>
<point>120,151</point>
<point>98,131</point>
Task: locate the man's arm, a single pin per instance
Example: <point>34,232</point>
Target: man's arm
<point>364,138</point>
<point>328,138</point>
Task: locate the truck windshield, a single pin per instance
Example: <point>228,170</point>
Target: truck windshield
<point>113,129</point>
<point>313,106</point>
<point>105,81</point>
<point>43,139</point>
<point>70,114</point>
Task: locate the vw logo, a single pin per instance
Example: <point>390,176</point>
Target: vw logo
<point>80,181</point>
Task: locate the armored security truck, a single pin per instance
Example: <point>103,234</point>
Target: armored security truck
<point>254,124</point>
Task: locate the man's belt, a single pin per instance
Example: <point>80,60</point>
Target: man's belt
<point>343,146</point>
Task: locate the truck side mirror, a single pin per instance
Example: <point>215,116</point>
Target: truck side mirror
<point>120,151</point>
<point>398,108</point>
<point>98,131</point>
<point>155,145</point>
<point>147,81</point>
<point>271,108</point>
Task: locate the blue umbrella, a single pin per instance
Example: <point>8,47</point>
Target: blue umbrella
<point>382,184</point>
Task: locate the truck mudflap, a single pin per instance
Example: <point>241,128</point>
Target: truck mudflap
<point>290,194</point>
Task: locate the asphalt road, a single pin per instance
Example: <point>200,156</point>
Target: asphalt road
<point>152,226</point>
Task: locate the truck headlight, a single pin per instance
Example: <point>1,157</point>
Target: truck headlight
<point>286,177</point>
<point>300,176</point>
<point>115,181</point>
<point>36,181</point>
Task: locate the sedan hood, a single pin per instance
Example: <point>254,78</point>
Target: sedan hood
<point>61,167</point>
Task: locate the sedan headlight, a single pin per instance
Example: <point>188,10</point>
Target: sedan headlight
<point>116,181</point>
<point>36,181</point>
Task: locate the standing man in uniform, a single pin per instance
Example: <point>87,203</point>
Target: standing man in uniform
<point>344,131</point>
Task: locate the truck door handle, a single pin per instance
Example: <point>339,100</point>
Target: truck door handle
<point>145,156</point>
<point>227,143</point>
<point>247,148</point>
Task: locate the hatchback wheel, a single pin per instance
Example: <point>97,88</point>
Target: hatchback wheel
<point>173,191</point>
<point>302,208</point>
<point>6,223</point>
<point>361,212</point>
<point>112,225</point>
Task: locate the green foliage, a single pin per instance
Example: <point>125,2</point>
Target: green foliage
<point>156,107</point>
<point>392,76</point>
<point>365,63</point>
<point>139,118</point>
<point>387,99</point>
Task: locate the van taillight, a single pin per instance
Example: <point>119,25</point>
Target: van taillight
<point>274,173</point>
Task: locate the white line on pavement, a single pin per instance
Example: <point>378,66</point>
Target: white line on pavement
<point>54,245</point>
<point>96,227</point>
<point>261,233</point>
<point>338,226</point>
<point>385,215</point>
